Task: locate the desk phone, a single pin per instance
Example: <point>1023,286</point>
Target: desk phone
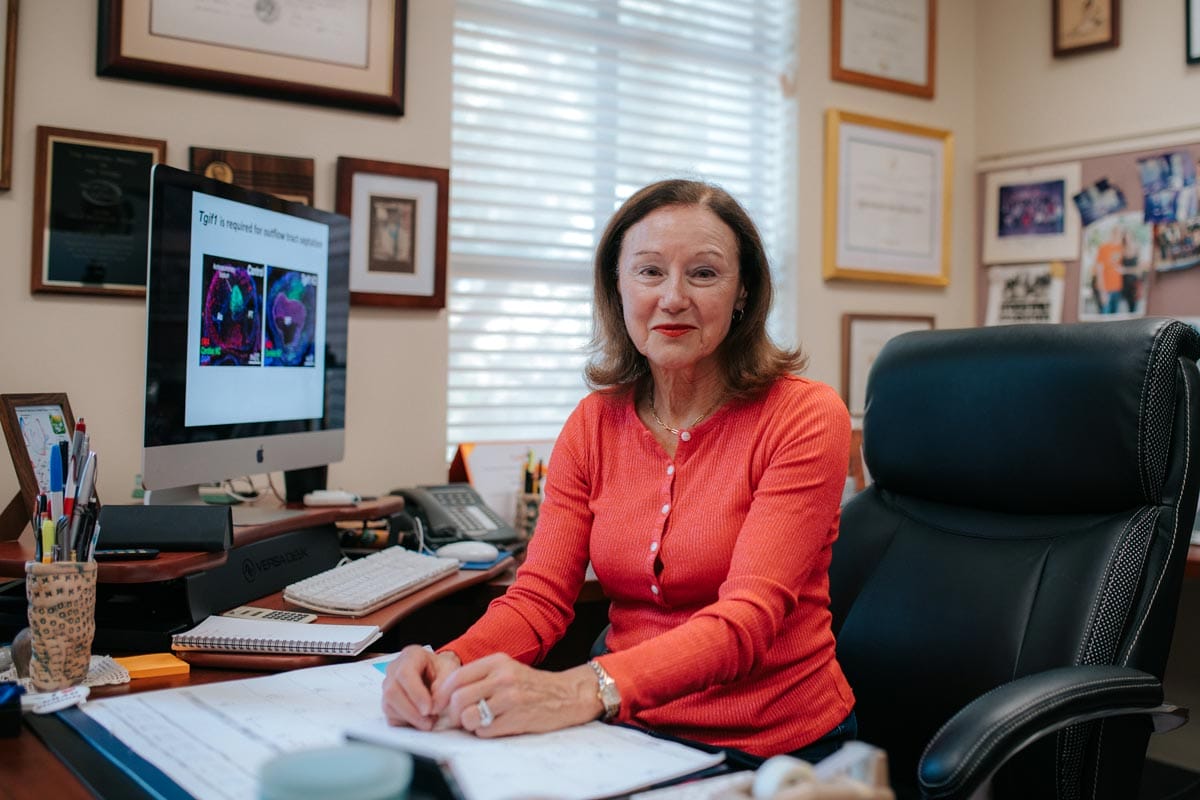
<point>453,512</point>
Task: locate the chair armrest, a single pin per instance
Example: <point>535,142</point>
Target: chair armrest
<point>976,741</point>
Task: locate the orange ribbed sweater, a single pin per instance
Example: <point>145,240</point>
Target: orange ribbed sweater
<point>715,562</point>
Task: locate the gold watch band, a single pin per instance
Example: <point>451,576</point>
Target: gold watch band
<point>606,690</point>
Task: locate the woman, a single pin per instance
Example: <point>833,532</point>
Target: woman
<point>702,481</point>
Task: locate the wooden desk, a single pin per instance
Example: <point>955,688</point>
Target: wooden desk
<point>1192,570</point>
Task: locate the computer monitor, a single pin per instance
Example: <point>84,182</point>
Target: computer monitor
<point>247,300</point>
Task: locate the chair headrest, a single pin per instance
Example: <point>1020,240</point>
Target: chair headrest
<point>1028,418</point>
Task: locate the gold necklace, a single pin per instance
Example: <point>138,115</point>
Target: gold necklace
<point>676,431</point>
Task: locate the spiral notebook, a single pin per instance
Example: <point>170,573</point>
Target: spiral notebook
<point>235,635</point>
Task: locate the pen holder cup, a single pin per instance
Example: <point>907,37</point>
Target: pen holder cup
<point>62,622</point>
<point>529,505</point>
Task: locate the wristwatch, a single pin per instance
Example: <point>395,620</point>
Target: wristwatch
<point>606,691</point>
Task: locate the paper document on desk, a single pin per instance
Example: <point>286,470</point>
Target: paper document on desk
<point>588,761</point>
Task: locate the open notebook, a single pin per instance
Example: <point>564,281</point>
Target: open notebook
<point>232,634</point>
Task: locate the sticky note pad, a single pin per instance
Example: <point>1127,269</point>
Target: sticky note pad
<point>153,665</point>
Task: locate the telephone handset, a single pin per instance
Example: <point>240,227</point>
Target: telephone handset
<point>453,512</point>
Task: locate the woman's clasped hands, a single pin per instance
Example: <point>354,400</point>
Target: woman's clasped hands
<point>493,696</point>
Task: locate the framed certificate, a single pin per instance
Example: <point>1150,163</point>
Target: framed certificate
<point>863,336</point>
<point>887,200</point>
<point>888,45</point>
<point>8,66</point>
<point>91,211</point>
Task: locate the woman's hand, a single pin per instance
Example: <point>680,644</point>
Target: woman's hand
<point>409,685</point>
<point>519,699</point>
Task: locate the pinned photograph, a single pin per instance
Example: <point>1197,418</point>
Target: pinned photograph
<point>1099,200</point>
<point>1168,187</point>
<point>1177,245</point>
<point>1025,293</point>
<point>1028,216</point>
<point>1116,259</point>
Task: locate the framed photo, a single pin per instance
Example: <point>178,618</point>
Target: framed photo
<point>887,200</point>
<point>398,225</point>
<point>8,67</point>
<point>288,177</point>
<point>1081,26</point>
<point>863,336</point>
<point>33,424</point>
<point>885,45</point>
<point>1029,215</point>
<point>1193,31</point>
<point>91,211</point>
<point>342,53</point>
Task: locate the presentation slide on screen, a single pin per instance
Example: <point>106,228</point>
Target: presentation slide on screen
<point>256,314</point>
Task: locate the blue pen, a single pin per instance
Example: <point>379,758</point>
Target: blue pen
<point>56,482</point>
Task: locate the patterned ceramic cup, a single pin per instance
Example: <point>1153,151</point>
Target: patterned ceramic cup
<point>62,622</point>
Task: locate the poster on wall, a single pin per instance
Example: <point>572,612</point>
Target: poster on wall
<point>1116,258</point>
<point>1025,293</point>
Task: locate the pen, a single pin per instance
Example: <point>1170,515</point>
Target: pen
<point>56,481</point>
<point>83,497</point>
<point>47,540</point>
<point>62,532</point>
<point>74,462</point>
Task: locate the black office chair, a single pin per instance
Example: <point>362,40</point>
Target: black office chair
<point>1004,592</point>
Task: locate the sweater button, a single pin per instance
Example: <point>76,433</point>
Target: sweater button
<point>670,469</point>
<point>653,589</point>
<point>654,547</point>
<point>685,436</point>
<point>666,509</point>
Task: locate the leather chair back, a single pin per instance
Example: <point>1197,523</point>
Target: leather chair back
<point>1033,494</point>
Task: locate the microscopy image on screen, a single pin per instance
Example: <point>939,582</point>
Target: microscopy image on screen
<point>291,318</point>
<point>230,327</point>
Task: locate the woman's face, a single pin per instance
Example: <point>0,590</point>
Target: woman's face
<point>679,284</point>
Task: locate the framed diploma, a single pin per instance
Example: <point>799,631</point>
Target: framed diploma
<point>399,218</point>
<point>887,200</point>
<point>885,45</point>
<point>343,53</point>
<point>863,336</point>
<point>8,66</point>
<point>1192,18</point>
<point>91,211</point>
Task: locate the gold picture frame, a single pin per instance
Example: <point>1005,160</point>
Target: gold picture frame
<point>887,200</point>
<point>891,48</point>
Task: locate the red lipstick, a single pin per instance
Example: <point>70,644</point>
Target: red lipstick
<point>673,330</point>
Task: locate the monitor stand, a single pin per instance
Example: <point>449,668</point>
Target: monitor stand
<point>244,513</point>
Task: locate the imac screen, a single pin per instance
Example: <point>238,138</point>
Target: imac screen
<point>247,306</point>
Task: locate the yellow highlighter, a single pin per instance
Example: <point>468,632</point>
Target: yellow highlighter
<point>48,534</point>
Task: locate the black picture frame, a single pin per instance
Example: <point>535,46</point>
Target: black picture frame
<point>1191,34</point>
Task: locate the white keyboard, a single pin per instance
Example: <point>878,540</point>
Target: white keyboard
<point>365,584</point>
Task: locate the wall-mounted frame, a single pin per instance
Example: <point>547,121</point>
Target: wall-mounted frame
<point>1193,31</point>
<point>8,70</point>
<point>342,54</point>
<point>91,211</point>
<point>288,177</point>
<point>32,423</point>
<point>1081,26</point>
<point>863,336</point>
<point>1028,214</point>
<point>890,47</point>
<point>887,200</point>
<point>399,217</point>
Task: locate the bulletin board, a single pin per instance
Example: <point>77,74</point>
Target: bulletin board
<point>1170,294</point>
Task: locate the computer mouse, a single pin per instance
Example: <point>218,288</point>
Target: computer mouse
<point>469,551</point>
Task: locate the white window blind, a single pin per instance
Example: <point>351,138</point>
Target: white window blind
<point>563,108</point>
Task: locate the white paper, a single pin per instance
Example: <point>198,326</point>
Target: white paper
<point>213,739</point>
<point>587,761</point>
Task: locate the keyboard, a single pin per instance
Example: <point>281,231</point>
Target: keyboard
<point>361,586</point>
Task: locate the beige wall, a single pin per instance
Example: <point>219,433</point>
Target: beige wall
<point>820,304</point>
<point>93,348</point>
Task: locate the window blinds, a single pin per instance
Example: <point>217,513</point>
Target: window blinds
<point>563,108</point>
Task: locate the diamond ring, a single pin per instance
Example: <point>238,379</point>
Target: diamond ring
<point>485,713</point>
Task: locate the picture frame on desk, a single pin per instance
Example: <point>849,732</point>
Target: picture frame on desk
<point>32,423</point>
<point>399,222</point>
<point>91,212</point>
<point>891,48</point>
<point>1082,26</point>
<point>344,55</point>
<point>863,336</point>
<point>8,71</point>
<point>887,200</point>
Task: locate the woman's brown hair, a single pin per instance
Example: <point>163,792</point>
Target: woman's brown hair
<point>751,361</point>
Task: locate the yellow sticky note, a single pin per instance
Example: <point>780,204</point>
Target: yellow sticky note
<point>152,665</point>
